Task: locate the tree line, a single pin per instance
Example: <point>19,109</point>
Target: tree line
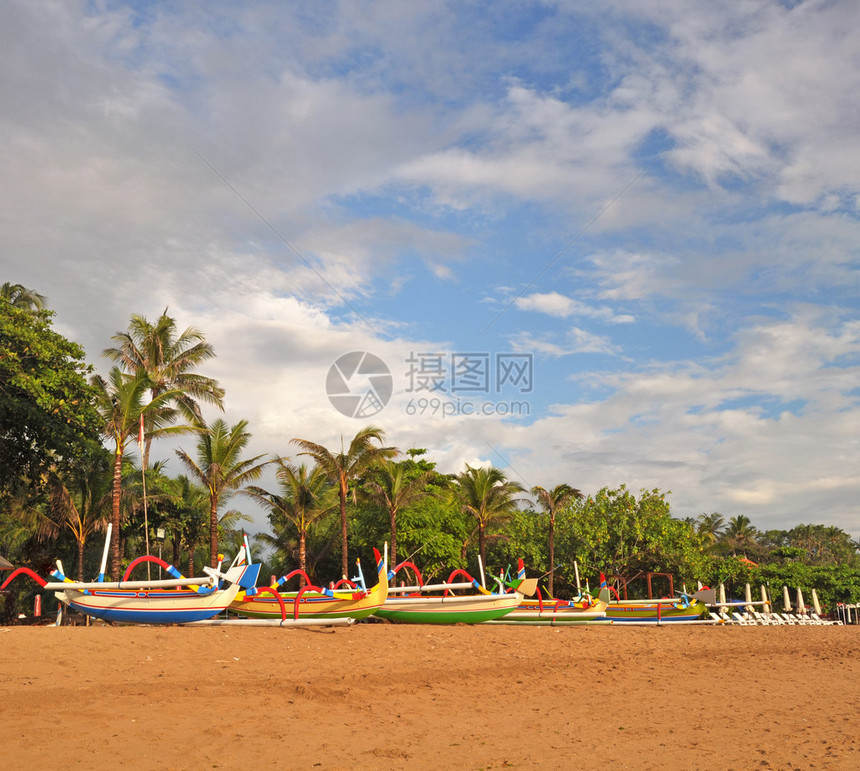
<point>67,468</point>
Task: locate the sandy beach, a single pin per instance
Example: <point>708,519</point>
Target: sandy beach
<point>385,696</point>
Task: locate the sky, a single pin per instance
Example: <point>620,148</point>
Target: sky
<point>595,243</point>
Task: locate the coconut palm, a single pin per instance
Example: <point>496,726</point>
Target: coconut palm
<point>168,361</point>
<point>551,501</point>
<point>391,488</point>
<point>80,501</point>
<point>120,403</point>
<point>710,526</point>
<point>305,496</point>
<point>20,297</point>
<point>220,468</point>
<point>186,517</point>
<point>345,467</point>
<point>741,532</point>
<point>488,496</point>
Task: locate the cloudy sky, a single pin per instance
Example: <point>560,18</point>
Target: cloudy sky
<point>599,243</point>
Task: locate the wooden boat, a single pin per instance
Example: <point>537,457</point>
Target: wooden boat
<point>177,600</point>
<point>314,602</point>
<point>136,602</point>
<point>555,612</point>
<point>684,609</point>
<point>416,605</point>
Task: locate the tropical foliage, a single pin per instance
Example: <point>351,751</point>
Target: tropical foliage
<point>220,468</point>
<point>345,467</point>
<point>47,415</point>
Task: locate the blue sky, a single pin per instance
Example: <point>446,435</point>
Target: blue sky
<point>657,202</point>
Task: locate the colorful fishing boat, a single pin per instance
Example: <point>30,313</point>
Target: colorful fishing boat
<point>684,609</point>
<point>354,601</point>
<point>556,612</point>
<point>177,600</point>
<point>435,603</point>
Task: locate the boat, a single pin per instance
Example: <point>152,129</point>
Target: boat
<point>177,600</point>
<point>556,612</point>
<point>686,608</point>
<point>314,602</point>
<point>435,604</point>
<point>551,611</point>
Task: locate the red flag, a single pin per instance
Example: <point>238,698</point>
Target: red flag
<point>140,431</point>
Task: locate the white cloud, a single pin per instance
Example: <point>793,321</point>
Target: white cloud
<point>555,304</point>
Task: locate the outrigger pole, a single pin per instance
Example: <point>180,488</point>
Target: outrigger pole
<point>105,553</point>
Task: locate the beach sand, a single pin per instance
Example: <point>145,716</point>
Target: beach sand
<point>376,695</point>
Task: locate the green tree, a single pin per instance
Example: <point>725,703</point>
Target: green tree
<point>710,526</point>
<point>120,403</point>
<point>18,296</point>
<point>221,469</point>
<point>186,515</point>
<point>391,487</point>
<point>47,413</point>
<point>168,360</point>
<point>488,497</point>
<point>740,535</point>
<point>614,533</point>
<point>80,502</point>
<point>551,501</point>
<point>305,496</point>
<point>346,467</point>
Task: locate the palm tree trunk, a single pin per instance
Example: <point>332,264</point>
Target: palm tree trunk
<point>551,553</point>
<point>191,548</point>
<point>481,550</point>
<point>344,556</point>
<point>80,560</point>
<point>393,514</point>
<point>213,532</point>
<point>116,493</point>
<point>303,558</point>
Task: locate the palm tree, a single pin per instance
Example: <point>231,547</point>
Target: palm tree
<point>306,495</point>
<point>168,361</point>
<point>488,496</point>
<point>343,468</point>
<point>81,502</point>
<point>19,296</point>
<point>220,468</point>
<point>710,526</point>
<point>551,501</point>
<point>392,489</point>
<point>119,401</point>
<point>187,517</point>
<point>741,532</point>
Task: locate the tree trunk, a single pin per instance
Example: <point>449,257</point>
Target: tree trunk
<point>81,560</point>
<point>344,556</point>
<point>213,532</point>
<point>551,554</point>
<point>303,558</point>
<point>191,549</point>
<point>144,460</point>
<point>393,514</point>
<point>174,542</point>
<point>116,492</point>
<point>481,550</point>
